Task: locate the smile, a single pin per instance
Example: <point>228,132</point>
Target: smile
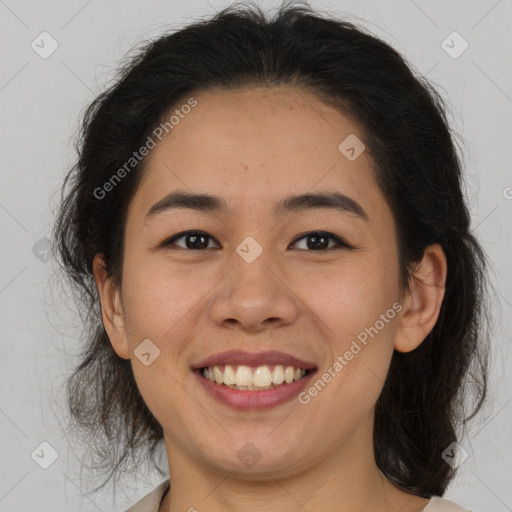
<point>253,378</point>
<point>251,397</point>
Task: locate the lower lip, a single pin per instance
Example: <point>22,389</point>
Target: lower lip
<point>254,400</point>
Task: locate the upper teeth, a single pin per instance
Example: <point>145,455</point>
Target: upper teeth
<point>261,376</point>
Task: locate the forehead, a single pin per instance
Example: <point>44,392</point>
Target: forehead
<point>259,144</point>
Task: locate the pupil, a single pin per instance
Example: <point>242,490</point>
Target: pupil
<point>195,244</point>
<point>316,245</point>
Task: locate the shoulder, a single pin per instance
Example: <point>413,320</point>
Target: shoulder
<point>151,501</point>
<point>437,504</point>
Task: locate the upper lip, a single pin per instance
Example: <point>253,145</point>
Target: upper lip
<point>240,357</point>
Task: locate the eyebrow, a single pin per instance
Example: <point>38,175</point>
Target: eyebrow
<point>295,203</point>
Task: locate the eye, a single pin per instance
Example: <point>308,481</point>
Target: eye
<point>319,240</point>
<point>316,241</point>
<point>194,240</point>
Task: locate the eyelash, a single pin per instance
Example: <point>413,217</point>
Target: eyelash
<point>341,244</point>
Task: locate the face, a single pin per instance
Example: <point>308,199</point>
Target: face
<point>261,279</point>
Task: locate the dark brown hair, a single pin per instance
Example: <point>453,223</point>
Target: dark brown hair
<point>423,404</point>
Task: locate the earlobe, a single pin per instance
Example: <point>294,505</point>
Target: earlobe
<point>422,304</point>
<point>111,308</point>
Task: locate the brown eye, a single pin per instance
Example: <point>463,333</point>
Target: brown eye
<point>319,241</point>
<point>194,240</point>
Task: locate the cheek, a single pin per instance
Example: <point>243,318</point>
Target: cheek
<point>159,307</point>
<point>157,296</point>
<point>352,296</point>
<point>355,305</point>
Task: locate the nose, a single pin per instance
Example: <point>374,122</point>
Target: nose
<point>254,297</point>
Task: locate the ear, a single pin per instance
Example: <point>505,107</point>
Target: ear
<point>422,303</point>
<point>111,308</point>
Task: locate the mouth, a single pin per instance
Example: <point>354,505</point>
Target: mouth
<point>253,378</point>
<point>253,381</point>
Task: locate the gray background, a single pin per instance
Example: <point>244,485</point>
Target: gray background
<point>41,101</point>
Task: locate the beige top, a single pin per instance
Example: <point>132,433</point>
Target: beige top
<point>151,502</point>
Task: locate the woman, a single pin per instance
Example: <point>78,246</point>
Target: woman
<point>267,224</point>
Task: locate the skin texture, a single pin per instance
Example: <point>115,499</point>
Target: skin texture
<point>253,147</point>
